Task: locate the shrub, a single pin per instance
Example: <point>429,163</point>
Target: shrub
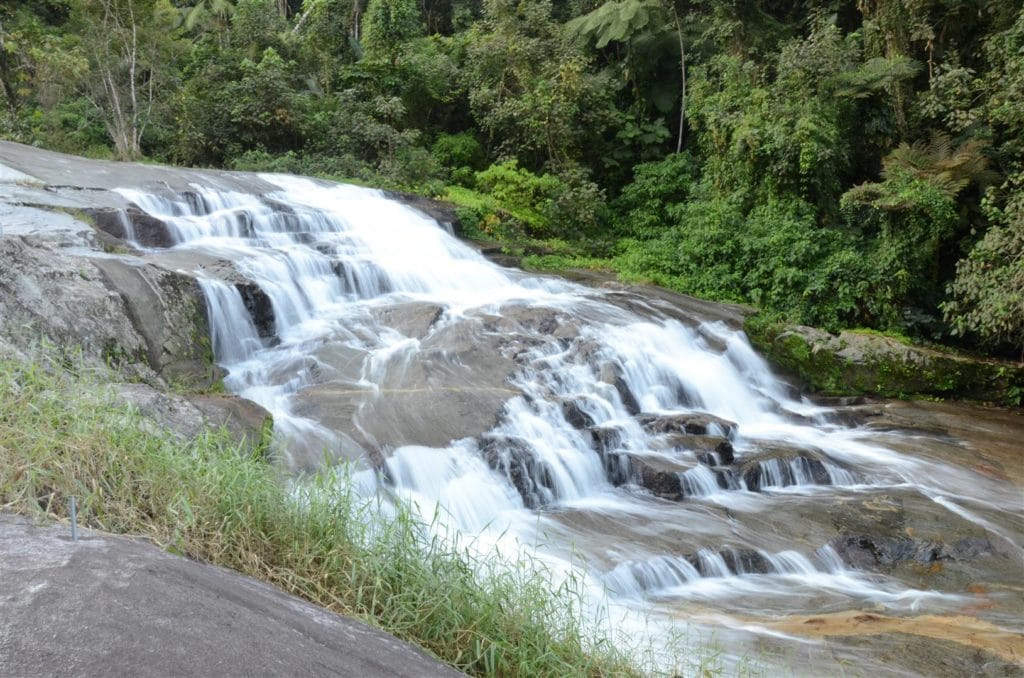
<point>461,155</point>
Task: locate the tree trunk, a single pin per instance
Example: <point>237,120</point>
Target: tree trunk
<point>682,74</point>
<point>5,74</point>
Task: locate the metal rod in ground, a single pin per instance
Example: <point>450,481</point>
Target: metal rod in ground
<point>74,520</point>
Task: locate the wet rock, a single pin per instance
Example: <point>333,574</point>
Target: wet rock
<point>454,385</point>
<point>168,310</point>
<point>438,210</point>
<point>574,413</point>
<point>799,471</point>
<point>745,561</point>
<point>611,374</point>
<point>914,653</point>
<point>968,548</point>
<point>249,423</point>
<point>607,441</point>
<point>716,448</point>
<point>661,478</point>
<point>606,438</point>
<point>148,230</point>
<point>546,322</point>
<point>364,279</point>
<point>260,308</point>
<point>514,459</point>
<point>838,401</point>
<point>196,202</point>
<point>873,552</point>
<point>879,515</point>
<point>618,468</point>
<point>858,363</point>
<point>413,319</point>
<point>783,466</point>
<point>696,423</point>
<point>737,562</point>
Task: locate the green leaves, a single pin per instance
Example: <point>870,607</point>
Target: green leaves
<point>988,292</point>
<point>388,24</point>
<point>618,21</point>
<point>875,76</point>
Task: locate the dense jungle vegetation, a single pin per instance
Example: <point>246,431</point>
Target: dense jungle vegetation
<point>836,162</point>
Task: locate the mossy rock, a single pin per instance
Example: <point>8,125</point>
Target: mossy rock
<point>855,363</point>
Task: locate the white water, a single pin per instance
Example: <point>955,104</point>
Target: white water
<point>335,255</point>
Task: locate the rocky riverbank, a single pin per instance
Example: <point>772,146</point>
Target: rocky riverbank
<point>866,363</point>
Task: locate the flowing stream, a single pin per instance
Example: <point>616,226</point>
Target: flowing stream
<point>648,450</point>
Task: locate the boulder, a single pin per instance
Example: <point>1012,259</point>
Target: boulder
<point>611,374</point>
<point>861,363</point>
<point>657,475</point>
<point>453,385</point>
<point>881,515</point>
<point>717,448</point>
<point>874,552</point>
<point>575,414</point>
<point>694,423</point>
<point>782,466</point>
<point>260,308</point>
<point>48,295</point>
<point>168,310</point>
<point>187,417</point>
<point>132,224</point>
<point>513,458</point>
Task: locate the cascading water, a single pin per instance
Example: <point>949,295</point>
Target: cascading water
<point>540,415</point>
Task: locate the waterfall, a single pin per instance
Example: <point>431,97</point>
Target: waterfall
<point>534,413</point>
<point>234,335</point>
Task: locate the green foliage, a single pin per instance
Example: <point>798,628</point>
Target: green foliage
<point>566,204</point>
<point>388,24</point>
<point>656,188</point>
<point>876,75</point>
<point>461,155</point>
<point>909,218</point>
<point>789,136</point>
<point>618,21</point>
<point>988,292</point>
<point>852,142</point>
<point>264,108</point>
<point>520,192</point>
<point>256,26</point>
<point>949,169</point>
<point>529,87</point>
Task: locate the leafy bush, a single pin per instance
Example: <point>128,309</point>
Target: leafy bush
<point>988,292</point>
<point>461,155</point>
<point>522,193</point>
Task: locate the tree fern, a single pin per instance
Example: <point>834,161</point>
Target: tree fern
<point>936,160</point>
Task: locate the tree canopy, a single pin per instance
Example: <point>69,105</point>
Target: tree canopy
<point>837,162</point>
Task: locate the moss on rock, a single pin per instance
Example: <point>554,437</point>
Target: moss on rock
<point>855,363</point>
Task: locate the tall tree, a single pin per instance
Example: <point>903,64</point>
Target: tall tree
<point>387,25</point>
<point>125,42</point>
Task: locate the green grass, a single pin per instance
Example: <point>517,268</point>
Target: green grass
<point>562,262</point>
<point>62,435</point>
